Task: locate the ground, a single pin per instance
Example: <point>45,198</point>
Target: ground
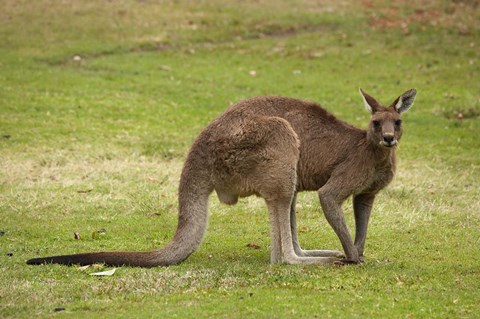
<point>100,100</point>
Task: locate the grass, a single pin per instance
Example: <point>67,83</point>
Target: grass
<point>99,102</point>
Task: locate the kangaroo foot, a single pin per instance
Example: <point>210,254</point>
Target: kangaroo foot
<point>295,260</point>
<point>321,253</point>
<point>344,261</point>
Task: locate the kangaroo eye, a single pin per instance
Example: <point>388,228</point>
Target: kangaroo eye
<point>398,122</point>
<point>376,124</point>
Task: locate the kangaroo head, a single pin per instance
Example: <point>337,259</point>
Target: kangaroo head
<point>385,128</point>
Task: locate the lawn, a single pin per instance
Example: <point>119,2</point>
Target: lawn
<point>100,101</point>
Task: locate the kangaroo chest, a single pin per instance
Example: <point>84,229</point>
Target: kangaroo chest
<point>349,177</point>
<point>379,179</point>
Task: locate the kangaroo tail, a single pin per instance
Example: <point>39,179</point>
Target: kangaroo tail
<point>194,191</point>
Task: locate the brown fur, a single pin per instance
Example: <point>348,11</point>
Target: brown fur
<point>274,147</point>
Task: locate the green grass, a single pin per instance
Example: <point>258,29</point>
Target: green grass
<point>98,142</point>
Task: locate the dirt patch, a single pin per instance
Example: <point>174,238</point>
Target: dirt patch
<point>458,15</point>
<point>462,113</point>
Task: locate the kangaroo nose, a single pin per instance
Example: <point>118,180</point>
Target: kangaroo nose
<point>388,138</point>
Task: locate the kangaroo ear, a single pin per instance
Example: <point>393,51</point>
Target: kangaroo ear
<point>405,101</point>
<point>370,103</point>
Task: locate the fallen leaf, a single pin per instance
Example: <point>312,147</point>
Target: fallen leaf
<point>253,246</point>
<point>104,273</point>
<point>84,191</point>
<point>76,235</point>
<point>153,215</point>
<point>83,267</point>
<point>152,179</point>
<point>304,229</point>
<point>98,233</point>
<point>165,68</point>
<point>399,281</point>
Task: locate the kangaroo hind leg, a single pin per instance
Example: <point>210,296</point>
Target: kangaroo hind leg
<point>275,181</point>
<point>296,244</point>
<point>279,212</point>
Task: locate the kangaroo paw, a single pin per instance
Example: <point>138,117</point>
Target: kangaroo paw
<point>344,261</point>
<point>323,253</point>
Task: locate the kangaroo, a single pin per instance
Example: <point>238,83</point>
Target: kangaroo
<point>274,147</point>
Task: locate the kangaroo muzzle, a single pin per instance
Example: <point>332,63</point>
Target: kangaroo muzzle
<point>388,140</point>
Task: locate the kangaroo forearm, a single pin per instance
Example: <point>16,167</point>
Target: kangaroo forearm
<point>362,207</point>
<point>334,215</point>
